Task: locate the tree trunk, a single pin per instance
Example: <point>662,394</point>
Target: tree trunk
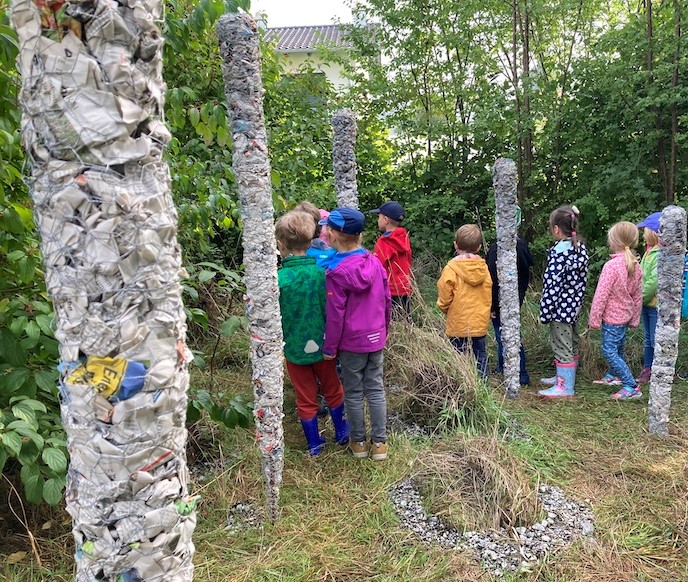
<point>673,109</point>
<point>516,18</point>
<point>92,93</point>
<point>528,137</point>
<point>344,157</point>
<point>505,179</point>
<point>663,166</point>
<point>669,297</point>
<point>244,89</point>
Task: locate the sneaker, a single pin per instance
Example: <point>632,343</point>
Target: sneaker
<point>360,449</point>
<point>608,380</point>
<point>628,393</point>
<point>378,451</point>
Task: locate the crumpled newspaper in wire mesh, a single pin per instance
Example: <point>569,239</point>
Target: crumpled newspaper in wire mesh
<point>92,94</point>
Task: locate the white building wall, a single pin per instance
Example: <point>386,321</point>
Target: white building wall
<point>293,60</point>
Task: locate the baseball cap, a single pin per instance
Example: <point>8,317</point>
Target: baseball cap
<point>651,222</point>
<point>391,209</point>
<point>346,220</point>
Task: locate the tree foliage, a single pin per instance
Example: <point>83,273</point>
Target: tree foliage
<point>589,97</point>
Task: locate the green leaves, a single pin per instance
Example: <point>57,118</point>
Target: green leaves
<point>237,412</point>
<point>52,490</point>
<point>12,442</point>
<point>233,324</point>
<point>55,459</point>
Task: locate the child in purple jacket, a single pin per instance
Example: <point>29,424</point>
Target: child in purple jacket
<point>358,311</point>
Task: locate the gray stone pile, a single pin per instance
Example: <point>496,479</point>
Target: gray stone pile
<point>500,551</point>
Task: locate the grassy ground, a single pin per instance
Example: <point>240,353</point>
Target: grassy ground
<point>338,523</point>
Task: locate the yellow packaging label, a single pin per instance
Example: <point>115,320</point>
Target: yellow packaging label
<point>103,374</point>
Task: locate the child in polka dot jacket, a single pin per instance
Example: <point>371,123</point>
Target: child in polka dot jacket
<point>563,290</point>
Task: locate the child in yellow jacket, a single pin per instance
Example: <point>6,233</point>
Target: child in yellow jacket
<point>465,295</point>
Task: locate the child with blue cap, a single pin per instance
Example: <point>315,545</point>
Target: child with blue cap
<point>648,314</point>
<point>358,311</point>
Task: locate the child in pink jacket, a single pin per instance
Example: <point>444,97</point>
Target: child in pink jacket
<point>616,306</point>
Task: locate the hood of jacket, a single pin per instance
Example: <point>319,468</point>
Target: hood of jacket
<point>577,258</point>
<point>357,271</point>
<point>472,270</point>
<point>398,239</point>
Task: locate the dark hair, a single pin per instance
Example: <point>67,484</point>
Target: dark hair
<point>566,218</point>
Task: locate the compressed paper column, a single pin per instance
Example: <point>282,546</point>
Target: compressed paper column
<point>241,70</point>
<point>672,252</point>
<point>344,157</point>
<point>92,97</point>
<point>504,180</point>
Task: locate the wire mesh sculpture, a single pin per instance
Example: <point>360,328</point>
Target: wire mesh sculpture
<point>672,253</point>
<point>240,52</point>
<point>344,157</point>
<point>92,98</point>
<point>504,180</point>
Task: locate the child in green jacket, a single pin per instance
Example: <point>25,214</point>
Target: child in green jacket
<point>302,304</point>
<point>648,264</point>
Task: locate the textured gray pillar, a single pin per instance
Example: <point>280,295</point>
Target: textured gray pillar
<point>241,70</point>
<point>344,157</point>
<point>92,97</point>
<point>672,252</point>
<point>504,180</point>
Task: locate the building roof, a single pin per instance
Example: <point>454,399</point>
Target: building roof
<point>307,38</point>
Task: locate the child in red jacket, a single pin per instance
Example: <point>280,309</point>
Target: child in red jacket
<point>393,248</point>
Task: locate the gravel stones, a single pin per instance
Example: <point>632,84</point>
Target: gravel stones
<point>500,551</point>
<point>243,515</point>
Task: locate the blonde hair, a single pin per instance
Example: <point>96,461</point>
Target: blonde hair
<point>650,236</point>
<point>566,218</point>
<point>469,237</point>
<point>295,230</point>
<point>623,237</point>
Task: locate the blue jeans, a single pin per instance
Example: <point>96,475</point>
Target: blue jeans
<point>523,374</point>
<point>477,345</point>
<point>614,351</point>
<point>649,316</point>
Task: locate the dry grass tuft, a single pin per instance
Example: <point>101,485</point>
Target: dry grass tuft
<point>477,484</point>
<point>432,377</point>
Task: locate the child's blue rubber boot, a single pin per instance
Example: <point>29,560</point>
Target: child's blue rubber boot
<point>341,425</point>
<point>313,438</point>
<point>552,380</point>
<point>563,387</point>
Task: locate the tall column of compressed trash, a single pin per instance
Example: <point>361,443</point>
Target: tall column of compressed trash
<point>241,70</point>
<point>672,252</point>
<point>92,98</point>
<point>344,157</point>
<point>504,180</point>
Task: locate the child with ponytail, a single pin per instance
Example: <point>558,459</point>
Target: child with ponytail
<point>563,290</point>
<point>616,306</point>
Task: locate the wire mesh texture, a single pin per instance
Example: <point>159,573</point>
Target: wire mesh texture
<point>92,98</point>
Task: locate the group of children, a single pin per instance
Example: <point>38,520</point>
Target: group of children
<point>337,301</point>
<point>626,290</point>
